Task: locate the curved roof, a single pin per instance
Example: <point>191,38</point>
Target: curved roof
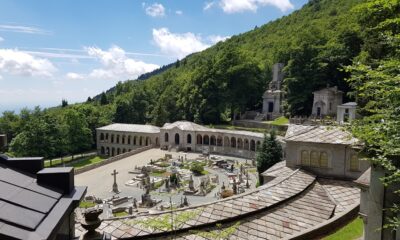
<point>285,206</point>
<point>123,127</point>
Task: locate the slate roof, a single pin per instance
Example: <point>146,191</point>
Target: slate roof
<point>296,202</point>
<point>135,128</point>
<point>319,134</point>
<point>29,210</point>
<point>190,126</point>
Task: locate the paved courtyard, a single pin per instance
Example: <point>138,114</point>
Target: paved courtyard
<point>99,181</point>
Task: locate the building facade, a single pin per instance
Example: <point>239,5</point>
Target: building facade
<point>346,112</point>
<point>324,150</point>
<point>326,101</point>
<point>116,139</point>
<point>273,97</point>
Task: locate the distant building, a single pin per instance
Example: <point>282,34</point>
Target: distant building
<point>37,203</point>
<point>118,138</point>
<point>273,97</point>
<point>324,150</point>
<point>346,112</point>
<point>326,101</point>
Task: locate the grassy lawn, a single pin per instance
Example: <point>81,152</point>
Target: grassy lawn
<point>120,214</point>
<point>87,161</point>
<point>279,121</point>
<point>351,231</point>
<point>86,204</point>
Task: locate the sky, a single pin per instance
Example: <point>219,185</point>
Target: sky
<point>69,49</point>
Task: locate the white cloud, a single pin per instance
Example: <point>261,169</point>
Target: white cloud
<point>234,6</point>
<point>178,45</point>
<point>217,38</point>
<point>155,10</point>
<point>116,64</point>
<point>20,63</point>
<point>1,77</point>
<point>1,39</point>
<point>74,76</point>
<point>208,5</point>
<point>178,12</point>
<point>22,29</point>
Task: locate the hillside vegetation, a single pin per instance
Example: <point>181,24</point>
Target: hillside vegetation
<point>208,87</point>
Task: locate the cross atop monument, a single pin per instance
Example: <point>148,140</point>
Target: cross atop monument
<point>115,185</point>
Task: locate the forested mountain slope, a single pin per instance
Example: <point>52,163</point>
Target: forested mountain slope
<point>208,87</point>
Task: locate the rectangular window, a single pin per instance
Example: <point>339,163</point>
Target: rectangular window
<point>323,161</point>
<point>354,163</point>
<point>305,158</point>
<point>314,159</point>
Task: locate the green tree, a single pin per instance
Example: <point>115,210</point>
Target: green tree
<point>64,103</point>
<point>268,154</point>
<point>78,134</point>
<point>103,99</point>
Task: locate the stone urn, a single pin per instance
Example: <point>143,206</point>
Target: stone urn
<point>91,221</point>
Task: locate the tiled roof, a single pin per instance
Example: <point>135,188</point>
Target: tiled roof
<point>319,134</point>
<point>139,128</point>
<point>297,201</point>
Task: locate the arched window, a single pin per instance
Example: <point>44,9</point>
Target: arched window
<point>305,158</point>
<point>148,141</point>
<point>189,139</point>
<point>233,142</point>
<point>118,151</point>
<point>124,150</point>
<point>107,136</point>
<point>177,141</point>
<point>240,143</point>
<point>314,159</point>
<point>134,140</point>
<point>323,161</point>
<point>108,151</point>
<point>252,145</point>
<point>129,140</point>
<point>206,140</point>
<point>246,144</point>
<point>140,141</point>
<point>199,139</point>
<point>219,141</point>
<point>354,163</point>
<point>166,136</point>
<point>113,152</point>
<point>112,138</point>
<point>117,138</point>
<point>123,139</point>
<point>101,136</point>
<point>212,140</point>
<point>102,151</point>
<point>226,142</point>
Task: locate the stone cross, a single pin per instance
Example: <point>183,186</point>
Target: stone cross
<point>115,185</point>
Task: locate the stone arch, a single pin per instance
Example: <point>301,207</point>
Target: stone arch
<point>199,139</point>
<point>117,138</point>
<point>129,140</point>
<point>166,137</point>
<point>226,142</point>
<point>213,141</point>
<point>107,136</point>
<point>112,138</point>
<point>219,141</point>
<point>148,141</point>
<point>124,150</point>
<point>246,144</point>
<point>113,152</point>
<point>240,143</point>
<point>102,151</point>
<point>108,151</point>
<point>140,141</point>
<point>129,150</point>
<point>177,139</point>
<point>233,142</point>
<point>118,151</point>
<point>101,136</point>
<point>206,140</point>
<point>189,138</point>
<point>123,139</point>
<point>134,140</point>
<point>252,145</point>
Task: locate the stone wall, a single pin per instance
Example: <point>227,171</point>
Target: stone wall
<point>112,159</point>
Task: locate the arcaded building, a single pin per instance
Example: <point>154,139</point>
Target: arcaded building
<point>117,138</point>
